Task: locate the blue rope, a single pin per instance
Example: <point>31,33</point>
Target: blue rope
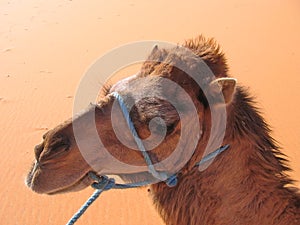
<point>212,155</point>
<point>85,207</point>
<point>103,183</point>
<point>159,175</point>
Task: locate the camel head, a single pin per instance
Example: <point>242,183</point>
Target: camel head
<point>165,104</point>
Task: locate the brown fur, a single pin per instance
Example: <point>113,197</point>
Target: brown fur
<point>246,184</point>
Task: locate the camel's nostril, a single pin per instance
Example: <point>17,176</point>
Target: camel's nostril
<point>45,135</point>
<point>55,144</point>
<point>58,141</point>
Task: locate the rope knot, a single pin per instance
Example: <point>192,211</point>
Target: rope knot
<point>172,181</point>
<point>102,182</point>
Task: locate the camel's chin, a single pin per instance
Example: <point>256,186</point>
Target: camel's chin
<point>81,184</point>
<point>32,181</point>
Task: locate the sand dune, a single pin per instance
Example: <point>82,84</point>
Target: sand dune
<point>46,47</point>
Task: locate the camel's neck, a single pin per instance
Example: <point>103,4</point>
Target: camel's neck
<point>244,185</point>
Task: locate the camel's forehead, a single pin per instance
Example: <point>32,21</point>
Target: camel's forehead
<point>122,84</point>
<point>136,85</point>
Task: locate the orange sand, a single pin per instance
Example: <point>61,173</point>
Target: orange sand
<point>46,47</point>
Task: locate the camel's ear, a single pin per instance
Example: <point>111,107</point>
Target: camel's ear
<point>154,49</point>
<point>226,85</point>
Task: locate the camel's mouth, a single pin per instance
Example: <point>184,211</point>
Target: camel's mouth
<point>82,183</point>
<point>32,181</point>
<point>30,176</point>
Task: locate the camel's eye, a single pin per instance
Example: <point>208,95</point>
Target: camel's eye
<point>170,128</point>
<point>158,126</point>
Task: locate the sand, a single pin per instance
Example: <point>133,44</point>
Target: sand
<point>46,47</point>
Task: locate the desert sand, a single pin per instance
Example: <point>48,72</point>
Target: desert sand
<point>46,47</point>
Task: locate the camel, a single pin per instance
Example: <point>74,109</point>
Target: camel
<point>246,184</point>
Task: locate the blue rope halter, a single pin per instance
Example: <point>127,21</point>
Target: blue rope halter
<point>103,183</point>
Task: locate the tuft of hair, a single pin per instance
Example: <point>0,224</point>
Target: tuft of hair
<point>210,52</point>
